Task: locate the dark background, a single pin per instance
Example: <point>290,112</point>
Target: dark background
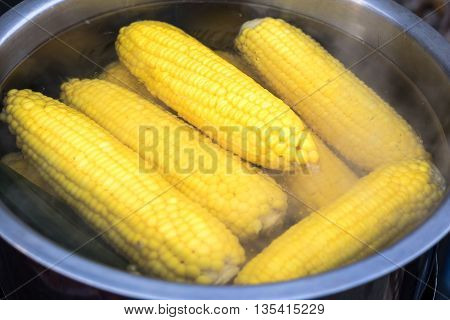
<point>439,20</point>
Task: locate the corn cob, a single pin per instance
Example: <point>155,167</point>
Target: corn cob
<point>116,73</point>
<point>385,204</point>
<point>244,200</point>
<point>317,188</point>
<point>338,106</point>
<point>215,96</point>
<point>143,217</point>
<point>17,162</point>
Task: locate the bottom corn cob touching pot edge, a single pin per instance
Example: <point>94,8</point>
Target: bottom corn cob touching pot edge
<point>143,217</point>
<point>381,207</point>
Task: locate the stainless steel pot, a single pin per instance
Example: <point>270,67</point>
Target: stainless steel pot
<point>406,61</point>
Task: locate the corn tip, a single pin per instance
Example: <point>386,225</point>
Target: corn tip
<point>251,24</point>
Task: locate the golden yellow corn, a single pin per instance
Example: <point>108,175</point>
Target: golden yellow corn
<point>17,162</point>
<point>316,188</point>
<point>116,73</point>
<point>215,96</point>
<point>382,206</point>
<point>155,226</point>
<point>244,200</point>
<point>338,106</point>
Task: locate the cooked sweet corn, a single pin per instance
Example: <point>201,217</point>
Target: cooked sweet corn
<point>246,201</point>
<point>338,106</point>
<point>387,203</point>
<point>143,217</point>
<point>17,162</point>
<point>116,73</point>
<point>318,187</point>
<point>215,96</point>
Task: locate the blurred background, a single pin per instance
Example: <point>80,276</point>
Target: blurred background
<point>425,8</point>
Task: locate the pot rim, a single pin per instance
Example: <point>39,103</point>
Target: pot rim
<point>54,257</point>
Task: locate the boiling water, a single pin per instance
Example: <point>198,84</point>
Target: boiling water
<point>83,50</point>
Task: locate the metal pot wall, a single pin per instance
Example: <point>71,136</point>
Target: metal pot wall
<point>402,58</point>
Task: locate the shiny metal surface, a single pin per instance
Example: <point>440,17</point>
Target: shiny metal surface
<point>421,54</point>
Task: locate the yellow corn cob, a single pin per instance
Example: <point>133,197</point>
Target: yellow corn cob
<point>143,217</point>
<point>387,203</point>
<point>338,106</point>
<point>317,188</point>
<point>244,200</point>
<point>215,96</point>
<point>239,63</point>
<point>17,162</point>
<point>116,73</point>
